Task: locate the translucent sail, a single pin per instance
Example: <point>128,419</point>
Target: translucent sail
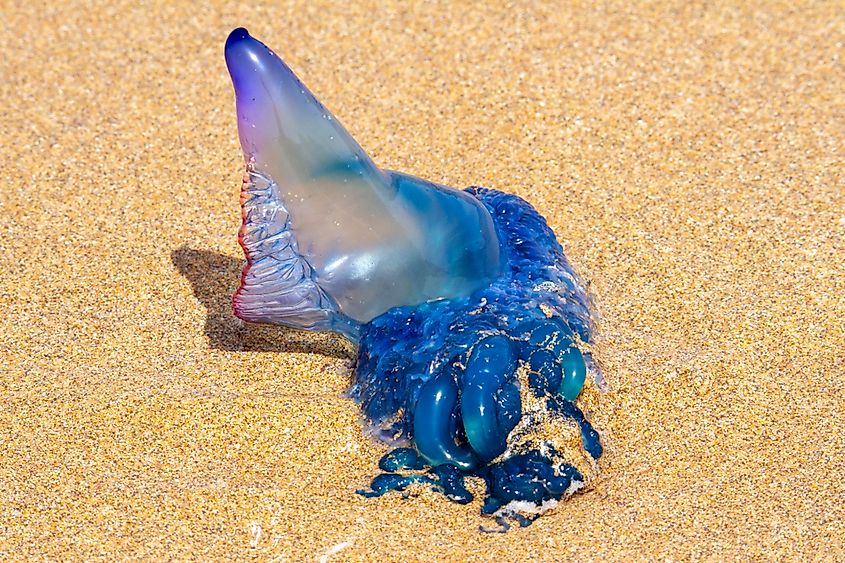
<point>331,239</point>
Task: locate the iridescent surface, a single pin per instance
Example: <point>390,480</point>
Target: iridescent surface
<point>472,327</point>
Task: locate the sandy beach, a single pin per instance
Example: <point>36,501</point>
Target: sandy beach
<point>689,157</point>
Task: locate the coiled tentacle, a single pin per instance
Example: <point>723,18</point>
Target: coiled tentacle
<point>554,357</point>
<point>435,439</point>
<point>490,403</point>
<point>574,373</point>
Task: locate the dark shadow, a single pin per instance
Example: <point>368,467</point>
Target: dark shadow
<point>214,278</point>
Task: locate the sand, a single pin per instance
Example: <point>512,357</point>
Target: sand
<point>689,156</point>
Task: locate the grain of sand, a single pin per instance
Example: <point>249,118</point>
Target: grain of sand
<point>689,155</point>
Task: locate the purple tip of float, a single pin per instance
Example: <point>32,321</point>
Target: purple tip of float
<point>237,35</point>
<point>246,56</point>
<point>262,82</point>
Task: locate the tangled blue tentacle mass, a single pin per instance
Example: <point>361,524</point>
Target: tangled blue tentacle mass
<point>442,375</point>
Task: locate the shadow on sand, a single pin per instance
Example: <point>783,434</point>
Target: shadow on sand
<point>214,278</point>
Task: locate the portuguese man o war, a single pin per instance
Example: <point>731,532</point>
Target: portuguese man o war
<point>473,330</point>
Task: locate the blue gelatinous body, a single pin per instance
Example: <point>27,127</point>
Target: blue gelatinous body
<point>470,322</point>
<point>466,352</point>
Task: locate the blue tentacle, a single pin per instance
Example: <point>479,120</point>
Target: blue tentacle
<point>488,396</point>
<point>435,442</point>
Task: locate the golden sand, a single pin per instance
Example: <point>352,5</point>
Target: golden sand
<point>689,156</point>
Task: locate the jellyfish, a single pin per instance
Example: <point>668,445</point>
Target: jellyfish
<point>472,329</point>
